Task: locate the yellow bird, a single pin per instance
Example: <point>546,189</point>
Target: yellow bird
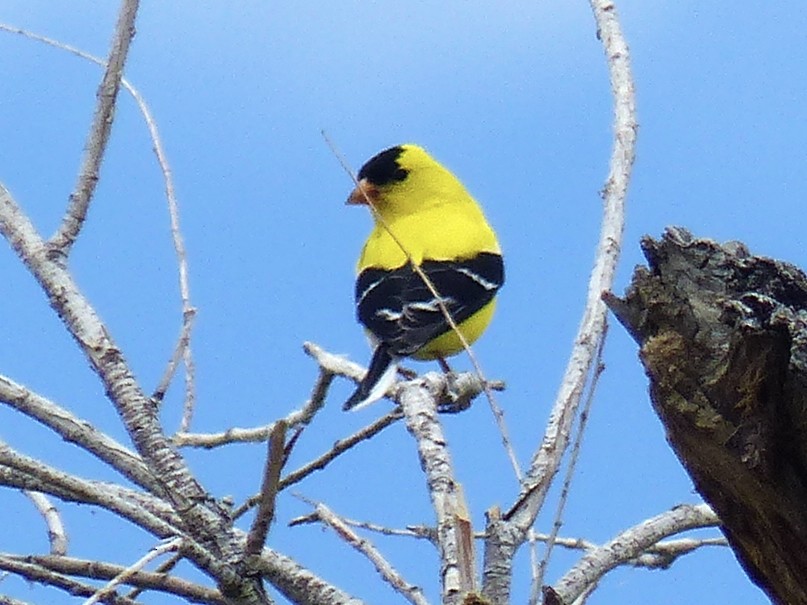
<point>423,216</point>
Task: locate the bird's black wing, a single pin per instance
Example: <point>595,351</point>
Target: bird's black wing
<point>398,308</point>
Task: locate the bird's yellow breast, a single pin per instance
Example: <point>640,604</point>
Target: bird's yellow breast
<point>438,232</point>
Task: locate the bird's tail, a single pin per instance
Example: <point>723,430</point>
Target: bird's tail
<point>380,377</point>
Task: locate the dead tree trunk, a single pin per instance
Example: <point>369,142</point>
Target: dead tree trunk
<point>723,339</point>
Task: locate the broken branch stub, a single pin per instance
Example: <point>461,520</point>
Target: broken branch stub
<point>723,339</point>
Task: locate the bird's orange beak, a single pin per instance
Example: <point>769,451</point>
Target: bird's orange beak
<point>364,191</point>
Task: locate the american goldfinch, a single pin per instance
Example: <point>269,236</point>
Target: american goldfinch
<point>423,216</point>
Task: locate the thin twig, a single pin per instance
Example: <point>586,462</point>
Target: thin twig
<point>538,578</point>
<point>188,309</point>
<point>138,565</point>
<point>419,532</point>
<point>546,460</point>
<point>410,592</point>
<point>299,417</point>
<point>33,572</point>
<point>57,536</point>
<point>162,569</point>
<point>275,458</point>
<point>79,432</point>
<point>178,355</point>
<point>98,136</point>
<point>630,544</point>
<point>420,412</point>
<point>182,349</point>
<point>338,448</point>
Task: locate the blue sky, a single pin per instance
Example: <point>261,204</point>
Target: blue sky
<point>514,99</point>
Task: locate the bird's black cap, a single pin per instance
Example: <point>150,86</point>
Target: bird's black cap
<point>383,167</point>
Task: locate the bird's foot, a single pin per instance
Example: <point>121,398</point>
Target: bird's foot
<point>406,373</point>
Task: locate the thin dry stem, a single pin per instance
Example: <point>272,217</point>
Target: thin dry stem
<point>538,579</point>
<point>629,545</point>
<point>57,535</point>
<point>389,574</point>
<point>296,418</point>
<point>275,458</point>
<point>163,569</point>
<point>547,458</point>
<point>138,565</point>
<point>339,447</point>
<point>99,131</point>
<point>182,350</point>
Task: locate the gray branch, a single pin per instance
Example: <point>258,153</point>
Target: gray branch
<point>80,432</point>
<point>99,131</point>
<point>629,545</point>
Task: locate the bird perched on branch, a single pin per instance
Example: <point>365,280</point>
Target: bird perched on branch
<point>426,224</point>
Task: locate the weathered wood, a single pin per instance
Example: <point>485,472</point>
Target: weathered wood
<point>723,339</point>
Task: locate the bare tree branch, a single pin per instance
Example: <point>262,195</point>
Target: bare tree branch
<point>546,460</point>
<point>57,536</point>
<point>99,131</point>
<point>34,572</point>
<point>341,446</point>
<point>275,458</point>
<point>454,391</point>
<point>75,430</point>
<point>99,570</point>
<point>334,364</point>
<point>202,518</point>
<point>412,593</point>
<point>538,578</point>
<point>630,544</point>
<point>299,417</point>
<point>295,582</point>
<point>145,511</point>
<point>663,554</point>
<point>506,533</point>
<point>419,402</point>
<point>182,349</point>
<point>658,556</point>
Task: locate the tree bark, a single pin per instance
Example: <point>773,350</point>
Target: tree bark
<point>723,339</point>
